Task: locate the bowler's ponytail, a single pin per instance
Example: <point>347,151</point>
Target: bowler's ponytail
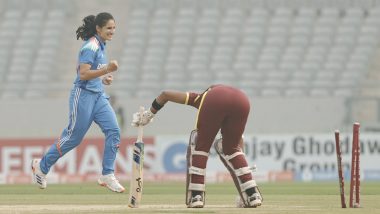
<point>88,29</point>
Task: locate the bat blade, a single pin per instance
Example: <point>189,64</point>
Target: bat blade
<point>136,183</point>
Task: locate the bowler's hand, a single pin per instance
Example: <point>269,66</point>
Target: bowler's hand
<point>107,80</point>
<point>112,66</point>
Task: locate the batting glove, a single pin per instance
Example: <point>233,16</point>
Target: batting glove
<point>142,120</point>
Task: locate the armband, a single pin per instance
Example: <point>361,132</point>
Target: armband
<point>156,105</point>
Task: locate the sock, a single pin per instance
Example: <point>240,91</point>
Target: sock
<point>251,191</point>
<point>194,193</point>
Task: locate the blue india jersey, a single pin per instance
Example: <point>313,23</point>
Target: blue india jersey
<point>93,53</point>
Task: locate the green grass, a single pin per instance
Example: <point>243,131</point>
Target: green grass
<point>279,198</point>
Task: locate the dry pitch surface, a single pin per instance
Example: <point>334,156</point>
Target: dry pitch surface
<point>279,198</point>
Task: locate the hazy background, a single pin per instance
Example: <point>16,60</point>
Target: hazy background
<point>307,66</point>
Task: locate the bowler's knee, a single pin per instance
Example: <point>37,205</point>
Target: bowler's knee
<point>115,132</point>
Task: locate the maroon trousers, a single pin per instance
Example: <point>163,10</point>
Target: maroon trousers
<point>224,108</point>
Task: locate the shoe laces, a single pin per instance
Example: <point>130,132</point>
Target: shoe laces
<point>254,196</point>
<point>42,175</point>
<point>39,172</point>
<point>113,178</point>
<point>197,198</point>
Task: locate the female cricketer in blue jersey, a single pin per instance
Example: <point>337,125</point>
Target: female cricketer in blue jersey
<point>89,103</point>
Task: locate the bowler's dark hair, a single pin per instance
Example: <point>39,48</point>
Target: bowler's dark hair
<point>88,29</point>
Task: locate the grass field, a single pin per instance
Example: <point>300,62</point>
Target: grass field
<point>279,198</point>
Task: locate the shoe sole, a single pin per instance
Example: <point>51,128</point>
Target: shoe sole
<point>197,204</point>
<point>108,187</point>
<point>256,203</point>
<point>33,171</point>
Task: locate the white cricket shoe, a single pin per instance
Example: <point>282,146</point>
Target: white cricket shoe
<point>38,176</point>
<point>255,200</point>
<point>111,183</point>
<point>196,202</point>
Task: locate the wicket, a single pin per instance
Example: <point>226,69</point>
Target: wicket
<point>355,169</point>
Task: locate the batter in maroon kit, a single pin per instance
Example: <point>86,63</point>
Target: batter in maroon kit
<point>223,108</point>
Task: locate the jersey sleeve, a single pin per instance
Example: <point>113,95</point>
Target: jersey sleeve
<point>88,52</point>
<point>87,56</point>
<point>193,99</point>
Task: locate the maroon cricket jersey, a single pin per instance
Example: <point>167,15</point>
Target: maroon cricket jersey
<point>195,99</point>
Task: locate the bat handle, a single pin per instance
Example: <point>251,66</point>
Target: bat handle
<point>140,128</point>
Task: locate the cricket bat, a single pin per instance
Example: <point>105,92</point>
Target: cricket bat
<point>136,183</point>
